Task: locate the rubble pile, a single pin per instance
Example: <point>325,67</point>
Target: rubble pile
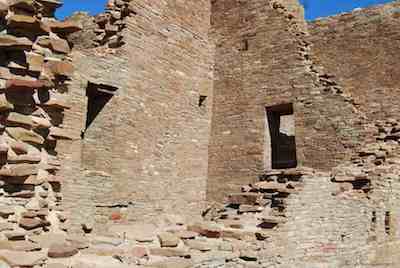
<point>372,159</point>
<point>111,23</point>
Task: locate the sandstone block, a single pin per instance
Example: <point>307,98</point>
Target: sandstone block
<point>3,8</point>
<point>60,133</point>
<point>24,135</point>
<point>169,252</point>
<point>138,252</point>
<point>59,45</point>
<point>65,27</point>
<point>19,119</point>
<point>22,259</point>
<point>25,158</point>
<point>25,5</point>
<point>206,229</point>
<point>19,170</point>
<point>5,212</point>
<point>35,61</point>
<point>62,251</point>
<point>199,245</point>
<point>176,263</point>
<point>21,245</point>
<point>168,240</point>
<point>61,68</point>
<point>24,85</point>
<point>26,23</point>
<point>30,224</point>
<point>23,194</point>
<point>244,198</point>
<point>184,234</point>
<point>15,43</point>
<point>4,104</point>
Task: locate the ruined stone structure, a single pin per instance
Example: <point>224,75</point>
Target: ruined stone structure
<point>223,133</point>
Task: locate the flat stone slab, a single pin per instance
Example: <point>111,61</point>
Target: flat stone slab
<point>24,259</point>
<point>62,251</point>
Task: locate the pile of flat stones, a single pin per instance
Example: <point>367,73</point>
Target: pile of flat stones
<point>111,23</point>
<point>382,152</point>
<point>237,234</point>
<point>35,70</point>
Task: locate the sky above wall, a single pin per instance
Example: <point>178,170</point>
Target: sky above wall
<point>314,8</point>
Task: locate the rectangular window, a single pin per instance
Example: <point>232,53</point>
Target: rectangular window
<point>281,147</point>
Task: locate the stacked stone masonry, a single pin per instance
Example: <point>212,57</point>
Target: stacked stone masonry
<point>199,134</point>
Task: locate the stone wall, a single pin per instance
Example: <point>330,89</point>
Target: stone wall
<point>146,152</point>
<point>263,59</point>
<point>361,50</point>
<point>35,73</point>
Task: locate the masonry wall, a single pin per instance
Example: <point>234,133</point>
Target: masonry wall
<point>263,59</point>
<point>146,153</point>
<point>361,50</point>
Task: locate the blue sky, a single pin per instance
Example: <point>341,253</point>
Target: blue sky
<point>323,8</point>
<point>314,8</point>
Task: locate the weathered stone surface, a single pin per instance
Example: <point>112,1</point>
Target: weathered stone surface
<point>66,27</point>
<point>6,211</point>
<point>25,135</point>
<point>19,246</point>
<point>19,119</point>
<point>14,43</point>
<point>199,245</point>
<point>23,194</point>
<point>25,5</point>
<point>60,133</point>
<point>23,259</point>
<point>177,263</point>
<point>59,45</point>
<point>168,240</point>
<point>35,61</point>
<point>26,85</point>
<point>244,198</point>
<point>206,229</point>
<point>62,251</point>
<point>30,224</point>
<point>184,234</point>
<point>169,252</point>
<point>19,170</point>
<point>26,23</point>
<point>4,104</point>
<point>61,68</point>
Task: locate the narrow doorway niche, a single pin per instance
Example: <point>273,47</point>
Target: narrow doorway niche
<point>387,222</point>
<point>373,221</point>
<point>281,147</point>
<point>98,95</point>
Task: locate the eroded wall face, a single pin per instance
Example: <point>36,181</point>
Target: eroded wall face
<point>165,162</point>
<point>147,150</point>
<point>262,59</point>
<point>361,50</point>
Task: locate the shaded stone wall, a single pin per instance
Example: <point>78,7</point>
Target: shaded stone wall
<point>361,50</point>
<point>263,59</point>
<point>147,150</point>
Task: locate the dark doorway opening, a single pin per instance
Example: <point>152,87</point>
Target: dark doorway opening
<point>98,96</point>
<point>281,126</point>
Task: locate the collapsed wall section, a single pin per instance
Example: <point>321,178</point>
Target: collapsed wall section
<point>145,150</point>
<point>361,50</point>
<point>263,62</point>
